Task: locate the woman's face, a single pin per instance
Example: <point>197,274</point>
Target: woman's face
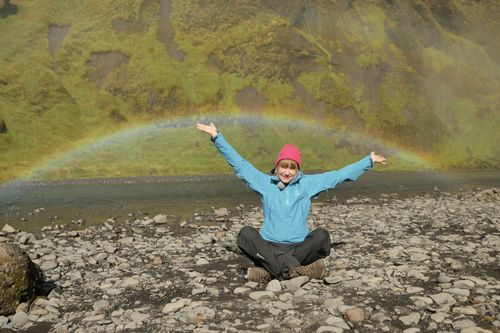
<point>287,170</point>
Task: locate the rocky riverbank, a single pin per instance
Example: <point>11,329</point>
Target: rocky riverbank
<point>422,264</point>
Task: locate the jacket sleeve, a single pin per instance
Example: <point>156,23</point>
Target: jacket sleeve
<point>255,179</point>
<point>324,181</point>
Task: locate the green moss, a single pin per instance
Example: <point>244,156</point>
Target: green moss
<point>427,99</point>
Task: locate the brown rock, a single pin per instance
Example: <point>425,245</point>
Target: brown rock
<point>354,314</point>
<point>20,278</point>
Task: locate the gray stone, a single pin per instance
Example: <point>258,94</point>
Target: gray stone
<point>221,212</point>
<point>295,283</point>
<point>3,321</point>
<point>110,249</point>
<point>103,304</point>
<point>137,316</point>
<point>96,317</point>
<point>282,305</point>
<point>333,279</point>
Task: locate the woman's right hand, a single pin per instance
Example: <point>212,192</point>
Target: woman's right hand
<point>210,129</point>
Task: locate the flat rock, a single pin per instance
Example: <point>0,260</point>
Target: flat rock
<point>259,296</point>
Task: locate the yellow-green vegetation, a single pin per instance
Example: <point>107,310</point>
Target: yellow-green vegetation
<point>73,72</point>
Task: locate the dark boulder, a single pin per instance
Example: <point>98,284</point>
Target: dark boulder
<point>6,8</point>
<point>20,278</point>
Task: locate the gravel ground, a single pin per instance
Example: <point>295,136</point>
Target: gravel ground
<point>426,263</point>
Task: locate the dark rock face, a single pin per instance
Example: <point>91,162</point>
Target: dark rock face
<point>20,278</point>
<point>3,126</point>
<point>6,8</point>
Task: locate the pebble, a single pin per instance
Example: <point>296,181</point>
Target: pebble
<point>261,295</point>
<point>274,286</point>
<point>354,314</point>
<point>20,319</point>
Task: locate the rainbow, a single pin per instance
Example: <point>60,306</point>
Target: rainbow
<point>86,148</point>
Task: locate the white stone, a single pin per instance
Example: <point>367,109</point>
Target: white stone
<point>8,229</point>
<point>274,286</point>
<point>443,299</point>
<point>241,290</point>
<point>261,295</point>
<point>160,219</point>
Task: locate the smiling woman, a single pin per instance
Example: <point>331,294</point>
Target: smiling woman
<point>285,248</point>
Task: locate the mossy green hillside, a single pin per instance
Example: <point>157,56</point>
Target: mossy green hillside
<point>401,73</point>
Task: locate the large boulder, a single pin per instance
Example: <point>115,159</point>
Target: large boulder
<point>20,278</point>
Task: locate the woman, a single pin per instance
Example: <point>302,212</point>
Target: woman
<point>284,248</point>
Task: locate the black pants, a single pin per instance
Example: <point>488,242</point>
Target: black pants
<point>279,258</point>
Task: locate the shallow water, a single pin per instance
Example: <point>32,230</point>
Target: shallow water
<point>96,200</point>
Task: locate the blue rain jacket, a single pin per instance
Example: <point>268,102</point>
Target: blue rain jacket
<point>286,210</point>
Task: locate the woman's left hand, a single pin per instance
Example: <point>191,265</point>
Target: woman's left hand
<point>377,158</point>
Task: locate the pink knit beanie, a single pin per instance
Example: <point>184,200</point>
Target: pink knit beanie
<point>289,152</point>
